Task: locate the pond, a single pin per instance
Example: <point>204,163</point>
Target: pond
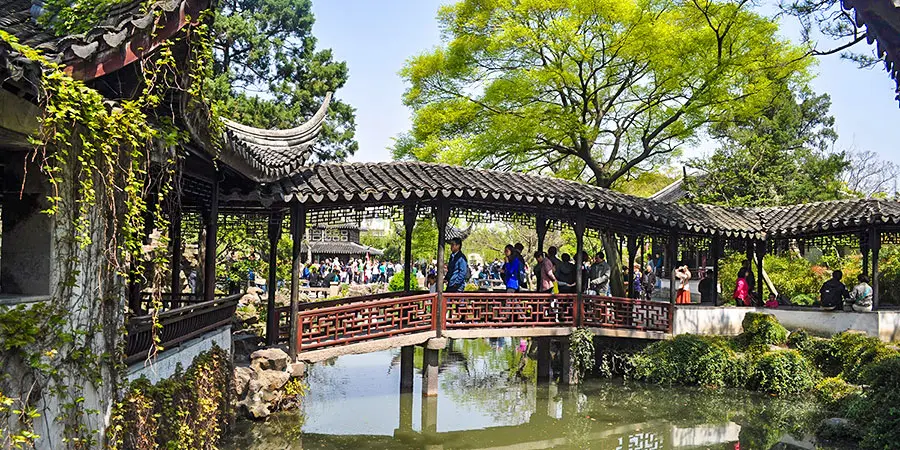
<point>488,399</point>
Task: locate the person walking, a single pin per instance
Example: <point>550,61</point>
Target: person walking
<point>457,267</point>
<point>599,275</point>
<point>546,277</point>
<point>566,275</point>
<point>649,282</point>
<point>511,269</point>
<point>682,280</point>
<point>742,289</point>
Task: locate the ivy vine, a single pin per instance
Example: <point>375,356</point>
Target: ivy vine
<point>110,166</point>
<point>581,349</point>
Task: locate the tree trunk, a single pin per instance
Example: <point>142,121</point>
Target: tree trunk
<point>611,249</point>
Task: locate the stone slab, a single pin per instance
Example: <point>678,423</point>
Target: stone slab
<point>377,345</point>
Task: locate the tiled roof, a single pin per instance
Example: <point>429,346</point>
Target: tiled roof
<point>882,21</point>
<point>357,184</point>
<point>119,40</point>
<point>268,155</point>
<point>340,248</point>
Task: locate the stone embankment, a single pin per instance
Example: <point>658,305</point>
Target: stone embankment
<point>270,383</point>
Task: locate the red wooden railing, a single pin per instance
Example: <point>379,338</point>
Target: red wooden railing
<point>177,325</point>
<point>358,319</point>
<point>526,309</point>
<point>365,320</point>
<point>632,314</point>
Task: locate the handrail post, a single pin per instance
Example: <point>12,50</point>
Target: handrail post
<point>442,215</point>
<point>579,275</point>
<point>298,229</point>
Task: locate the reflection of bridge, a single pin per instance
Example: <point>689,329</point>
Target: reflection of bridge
<point>403,319</point>
<point>552,425</point>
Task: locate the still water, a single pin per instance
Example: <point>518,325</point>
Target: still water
<point>488,400</point>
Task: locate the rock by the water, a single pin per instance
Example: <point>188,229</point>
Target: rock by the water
<point>297,369</point>
<point>269,359</point>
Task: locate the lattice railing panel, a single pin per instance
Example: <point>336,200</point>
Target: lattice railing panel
<point>363,321</point>
<point>641,315</point>
<point>486,310</point>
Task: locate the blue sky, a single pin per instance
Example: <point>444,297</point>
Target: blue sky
<point>376,37</point>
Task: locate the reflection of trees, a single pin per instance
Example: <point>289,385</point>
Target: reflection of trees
<point>481,374</point>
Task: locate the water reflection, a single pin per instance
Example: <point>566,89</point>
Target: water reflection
<point>488,399</point>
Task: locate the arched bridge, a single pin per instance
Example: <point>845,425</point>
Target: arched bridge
<point>377,322</point>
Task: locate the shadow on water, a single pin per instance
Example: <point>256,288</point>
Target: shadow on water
<point>488,399</point>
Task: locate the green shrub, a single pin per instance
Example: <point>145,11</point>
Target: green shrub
<point>761,331</point>
<point>688,360</point>
<point>877,412</point>
<point>783,372</point>
<point>799,339</point>
<point>823,354</point>
<point>856,352</point>
<point>803,300</point>
<point>395,284</point>
<point>832,391</point>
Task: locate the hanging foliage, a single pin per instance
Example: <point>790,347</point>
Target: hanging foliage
<point>581,348</point>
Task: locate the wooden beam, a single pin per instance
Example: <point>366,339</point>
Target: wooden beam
<point>579,274</point>
<point>275,221</point>
<point>409,223</point>
<point>177,255</point>
<point>212,227</point>
<point>875,245</point>
<point>632,252</point>
<point>541,228</point>
<point>716,254</point>
<point>760,255</point>
<point>298,230</point>
<point>671,260</point>
<point>441,216</point>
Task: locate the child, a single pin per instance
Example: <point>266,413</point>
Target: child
<point>431,282</point>
<point>772,302</point>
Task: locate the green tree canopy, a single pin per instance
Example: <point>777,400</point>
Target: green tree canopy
<point>779,157</point>
<point>270,75</point>
<point>587,89</point>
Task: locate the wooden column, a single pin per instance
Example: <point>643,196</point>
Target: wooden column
<point>177,241</point>
<point>760,254</point>
<point>716,254</point>
<point>275,219</point>
<point>632,252</point>
<point>875,246</point>
<point>579,275</point>
<point>864,247</point>
<point>298,230</point>
<point>409,222</point>
<point>212,227</point>
<point>441,216</point>
<point>671,260</point>
<point>541,228</point>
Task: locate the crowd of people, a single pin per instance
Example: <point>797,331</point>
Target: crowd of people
<point>833,295</point>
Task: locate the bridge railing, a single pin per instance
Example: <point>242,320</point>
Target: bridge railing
<point>357,320</point>
<point>627,313</point>
<point>177,325</point>
<point>501,310</point>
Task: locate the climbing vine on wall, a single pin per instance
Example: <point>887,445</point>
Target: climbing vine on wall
<point>110,167</point>
<point>581,347</point>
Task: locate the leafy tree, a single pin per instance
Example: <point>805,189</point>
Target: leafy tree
<point>270,75</point>
<point>778,157</point>
<point>587,90</point>
<point>584,89</point>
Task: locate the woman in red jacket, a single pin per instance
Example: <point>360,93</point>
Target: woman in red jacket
<point>742,290</point>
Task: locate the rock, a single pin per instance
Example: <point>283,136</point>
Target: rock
<point>837,429</point>
<point>248,299</point>
<point>255,407</point>
<point>247,314</point>
<point>269,359</point>
<point>244,345</point>
<point>254,290</point>
<point>272,380</point>
<point>297,369</point>
<point>242,377</point>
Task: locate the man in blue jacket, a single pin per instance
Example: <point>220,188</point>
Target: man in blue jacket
<point>457,267</point>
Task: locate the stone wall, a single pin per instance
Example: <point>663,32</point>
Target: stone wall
<point>165,364</point>
<point>726,321</point>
